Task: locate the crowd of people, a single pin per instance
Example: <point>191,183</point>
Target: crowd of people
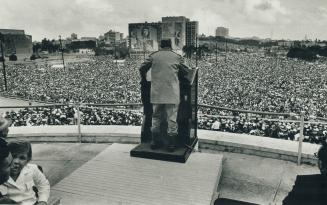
<point>246,81</point>
<point>280,129</point>
<point>68,115</point>
<point>98,80</point>
<point>270,84</point>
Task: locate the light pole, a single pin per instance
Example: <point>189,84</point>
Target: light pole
<point>216,53</point>
<point>226,51</point>
<point>3,62</point>
<point>62,53</point>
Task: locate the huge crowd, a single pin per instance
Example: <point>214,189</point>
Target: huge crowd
<point>247,81</point>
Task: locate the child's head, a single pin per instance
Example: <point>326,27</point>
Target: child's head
<point>22,153</point>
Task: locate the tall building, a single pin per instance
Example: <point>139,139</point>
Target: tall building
<point>192,30</point>
<point>113,37</point>
<point>146,36</point>
<point>174,28</point>
<point>222,32</point>
<point>17,42</point>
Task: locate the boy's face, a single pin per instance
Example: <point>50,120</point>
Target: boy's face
<point>5,169</point>
<point>18,163</point>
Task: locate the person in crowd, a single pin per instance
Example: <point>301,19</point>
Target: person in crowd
<point>23,176</point>
<point>165,92</point>
<point>5,162</point>
<point>4,127</point>
<point>311,189</point>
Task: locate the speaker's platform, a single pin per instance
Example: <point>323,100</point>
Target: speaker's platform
<point>180,154</point>
<point>113,177</point>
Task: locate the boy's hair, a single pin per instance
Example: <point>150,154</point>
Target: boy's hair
<point>19,147</point>
<point>4,150</point>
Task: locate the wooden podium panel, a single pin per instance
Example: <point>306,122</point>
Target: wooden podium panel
<point>186,119</point>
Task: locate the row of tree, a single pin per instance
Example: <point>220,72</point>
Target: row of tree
<point>307,53</point>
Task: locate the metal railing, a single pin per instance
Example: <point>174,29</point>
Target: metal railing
<point>78,107</point>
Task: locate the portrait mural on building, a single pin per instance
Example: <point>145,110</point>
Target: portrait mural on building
<point>178,34</point>
<point>174,31</point>
<point>143,37</point>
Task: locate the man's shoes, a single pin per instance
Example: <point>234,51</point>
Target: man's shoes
<point>154,145</point>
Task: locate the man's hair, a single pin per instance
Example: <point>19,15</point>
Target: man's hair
<point>165,43</point>
<point>19,147</point>
<point>4,150</point>
<point>322,154</point>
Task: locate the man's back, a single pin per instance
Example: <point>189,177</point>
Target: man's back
<point>164,74</point>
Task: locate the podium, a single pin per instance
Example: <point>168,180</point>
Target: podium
<point>186,120</point>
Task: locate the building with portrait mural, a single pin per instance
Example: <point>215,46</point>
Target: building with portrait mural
<point>145,37</point>
<point>17,42</point>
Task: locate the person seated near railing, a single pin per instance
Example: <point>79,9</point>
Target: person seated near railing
<point>24,176</point>
<point>311,189</point>
<point>5,159</point>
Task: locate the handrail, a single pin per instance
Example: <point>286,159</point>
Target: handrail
<point>140,104</point>
<point>248,111</point>
<point>80,105</point>
<point>265,119</point>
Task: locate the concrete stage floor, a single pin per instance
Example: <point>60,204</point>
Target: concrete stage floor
<point>244,177</point>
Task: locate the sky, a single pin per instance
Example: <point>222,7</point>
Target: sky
<point>276,19</point>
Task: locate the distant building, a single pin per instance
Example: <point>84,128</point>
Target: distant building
<point>192,29</point>
<point>144,36</point>
<point>113,37</point>
<point>17,42</point>
<point>73,36</point>
<point>86,43</point>
<point>89,39</point>
<point>86,51</point>
<point>284,43</point>
<point>222,32</point>
<point>174,27</point>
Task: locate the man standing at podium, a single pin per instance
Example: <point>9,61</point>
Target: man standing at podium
<point>165,93</point>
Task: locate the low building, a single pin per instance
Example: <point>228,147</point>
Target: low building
<point>17,42</point>
<point>86,51</point>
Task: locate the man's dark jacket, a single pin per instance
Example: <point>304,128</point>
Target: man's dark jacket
<point>308,189</point>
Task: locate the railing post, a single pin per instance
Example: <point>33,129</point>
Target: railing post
<point>300,139</point>
<point>79,123</point>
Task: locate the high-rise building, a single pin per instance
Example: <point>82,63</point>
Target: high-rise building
<point>222,32</point>
<point>113,37</point>
<point>17,42</point>
<point>174,28</point>
<point>192,30</point>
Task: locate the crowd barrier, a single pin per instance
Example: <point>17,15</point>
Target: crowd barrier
<point>137,106</point>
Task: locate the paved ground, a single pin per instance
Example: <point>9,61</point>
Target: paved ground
<point>60,159</point>
<point>244,177</point>
<point>257,179</point>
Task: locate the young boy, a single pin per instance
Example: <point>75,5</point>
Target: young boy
<point>23,176</point>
